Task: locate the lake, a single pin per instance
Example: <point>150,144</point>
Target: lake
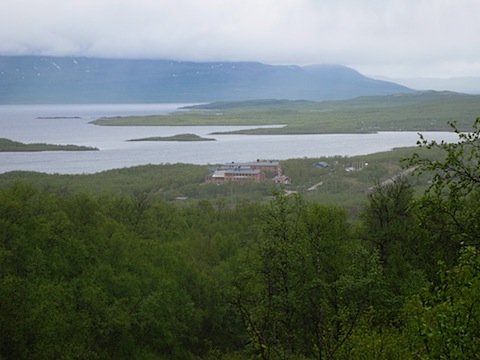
<point>69,124</point>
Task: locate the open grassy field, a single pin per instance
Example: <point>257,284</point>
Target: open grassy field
<point>422,111</point>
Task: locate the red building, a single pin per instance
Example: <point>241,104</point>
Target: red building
<point>252,171</point>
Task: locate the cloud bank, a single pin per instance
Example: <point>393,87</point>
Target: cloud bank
<point>385,37</point>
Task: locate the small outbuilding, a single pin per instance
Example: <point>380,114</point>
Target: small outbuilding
<point>321,165</point>
<point>282,180</point>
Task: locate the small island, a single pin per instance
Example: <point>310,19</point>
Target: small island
<point>179,137</point>
<point>7,145</point>
<point>57,117</point>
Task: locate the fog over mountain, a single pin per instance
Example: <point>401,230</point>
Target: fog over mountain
<point>469,85</point>
<point>34,79</point>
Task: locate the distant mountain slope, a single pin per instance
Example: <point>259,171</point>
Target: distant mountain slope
<point>30,79</point>
<point>468,85</point>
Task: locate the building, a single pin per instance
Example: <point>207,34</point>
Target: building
<point>321,165</point>
<point>282,180</point>
<point>239,174</point>
<point>218,176</point>
<point>251,171</point>
<point>244,174</point>
<point>272,166</point>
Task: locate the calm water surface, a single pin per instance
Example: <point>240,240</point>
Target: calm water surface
<point>37,123</point>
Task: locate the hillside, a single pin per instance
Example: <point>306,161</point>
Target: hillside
<point>29,79</point>
<point>333,184</point>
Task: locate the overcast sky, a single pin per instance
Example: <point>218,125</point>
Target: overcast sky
<point>395,38</point>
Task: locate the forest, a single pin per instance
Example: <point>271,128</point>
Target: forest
<point>132,276</point>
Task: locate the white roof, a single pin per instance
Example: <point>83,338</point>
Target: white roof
<point>219,174</point>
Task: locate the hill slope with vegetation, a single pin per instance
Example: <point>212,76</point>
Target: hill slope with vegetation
<point>343,181</point>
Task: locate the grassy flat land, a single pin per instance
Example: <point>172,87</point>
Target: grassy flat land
<point>7,145</point>
<point>179,137</point>
<point>422,111</point>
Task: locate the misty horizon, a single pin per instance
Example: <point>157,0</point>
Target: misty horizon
<point>395,39</point>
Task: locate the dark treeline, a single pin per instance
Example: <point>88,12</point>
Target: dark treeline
<point>86,276</point>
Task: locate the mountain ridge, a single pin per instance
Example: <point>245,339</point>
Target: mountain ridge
<point>40,79</point>
<point>461,84</point>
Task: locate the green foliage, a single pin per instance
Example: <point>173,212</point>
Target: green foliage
<point>368,341</point>
<point>305,283</point>
<point>387,216</point>
<point>458,172</point>
<point>111,277</point>
<point>444,321</point>
<point>166,181</point>
<point>449,210</point>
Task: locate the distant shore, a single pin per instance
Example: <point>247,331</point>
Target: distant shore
<point>424,111</point>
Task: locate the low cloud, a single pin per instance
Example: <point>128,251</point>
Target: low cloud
<point>389,37</point>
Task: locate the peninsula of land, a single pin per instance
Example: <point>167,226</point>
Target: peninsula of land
<point>419,111</point>
<point>7,145</point>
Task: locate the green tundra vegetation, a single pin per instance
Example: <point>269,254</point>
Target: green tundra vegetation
<point>420,111</point>
<point>118,275</point>
<point>10,146</point>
